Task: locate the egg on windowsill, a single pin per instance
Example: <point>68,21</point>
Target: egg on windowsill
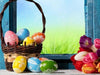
<point>19,64</point>
<point>48,66</point>
<point>43,59</point>
<point>33,64</point>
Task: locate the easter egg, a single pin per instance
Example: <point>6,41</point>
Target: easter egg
<point>10,37</point>
<point>48,66</point>
<point>33,64</point>
<point>28,40</point>
<point>22,34</point>
<point>42,59</point>
<point>19,64</point>
<point>38,37</point>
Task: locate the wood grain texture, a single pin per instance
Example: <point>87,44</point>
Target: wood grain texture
<point>89,18</point>
<point>13,17</point>
<point>96,18</point>
<point>86,16</point>
<point>8,23</point>
<point>5,27</point>
<point>58,72</point>
<point>57,56</point>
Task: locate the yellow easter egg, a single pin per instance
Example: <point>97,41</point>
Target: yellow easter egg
<point>19,64</point>
<point>28,40</point>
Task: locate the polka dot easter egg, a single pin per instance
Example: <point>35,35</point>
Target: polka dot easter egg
<point>22,34</point>
<point>48,66</point>
<point>28,40</point>
<point>34,64</point>
<point>43,59</point>
<point>11,37</point>
<point>19,64</point>
<point>38,37</point>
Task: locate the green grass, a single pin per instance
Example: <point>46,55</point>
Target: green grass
<point>61,40</point>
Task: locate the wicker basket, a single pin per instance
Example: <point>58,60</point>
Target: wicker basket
<point>11,52</point>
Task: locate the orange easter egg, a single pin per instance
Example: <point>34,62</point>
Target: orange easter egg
<point>42,59</point>
<point>38,37</point>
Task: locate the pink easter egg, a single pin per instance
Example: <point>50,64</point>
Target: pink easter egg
<point>10,37</point>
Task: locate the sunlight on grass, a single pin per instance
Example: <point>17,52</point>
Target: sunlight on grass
<point>65,43</point>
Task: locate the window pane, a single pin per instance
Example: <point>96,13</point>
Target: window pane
<point>65,23</point>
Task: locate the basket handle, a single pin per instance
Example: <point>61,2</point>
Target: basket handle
<point>6,5</point>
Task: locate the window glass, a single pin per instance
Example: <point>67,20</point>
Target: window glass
<point>64,26</point>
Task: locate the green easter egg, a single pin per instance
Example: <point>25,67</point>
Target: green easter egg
<point>48,66</point>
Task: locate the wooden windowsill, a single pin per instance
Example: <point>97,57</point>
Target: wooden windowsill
<point>59,72</point>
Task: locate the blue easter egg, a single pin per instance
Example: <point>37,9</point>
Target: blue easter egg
<point>33,64</point>
<point>22,34</point>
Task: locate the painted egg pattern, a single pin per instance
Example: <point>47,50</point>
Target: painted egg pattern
<point>19,64</point>
<point>22,34</point>
<point>48,66</point>
<point>28,40</point>
<point>11,37</point>
<point>38,37</point>
<point>43,59</point>
<point>34,64</point>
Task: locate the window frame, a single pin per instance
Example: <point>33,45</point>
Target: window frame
<point>63,60</point>
<point>9,23</point>
<point>88,8</point>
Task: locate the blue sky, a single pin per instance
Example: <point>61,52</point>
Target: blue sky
<point>59,13</point>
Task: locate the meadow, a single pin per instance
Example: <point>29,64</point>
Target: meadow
<point>65,41</point>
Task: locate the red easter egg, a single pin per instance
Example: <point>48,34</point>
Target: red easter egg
<point>38,37</point>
